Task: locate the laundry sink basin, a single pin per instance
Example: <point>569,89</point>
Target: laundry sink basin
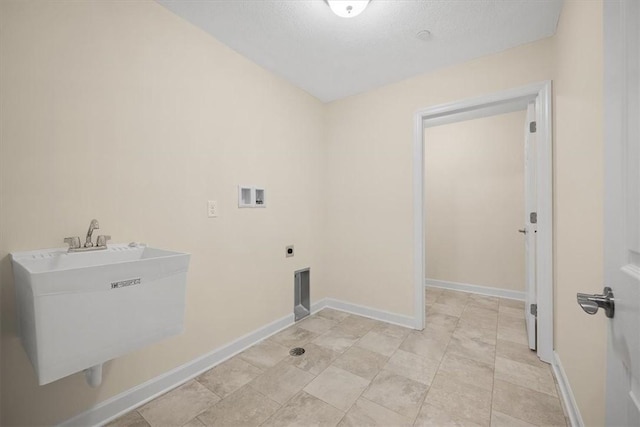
<point>79,310</point>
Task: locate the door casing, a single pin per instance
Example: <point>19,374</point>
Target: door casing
<point>540,93</point>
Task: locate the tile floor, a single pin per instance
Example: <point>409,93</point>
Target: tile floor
<point>470,367</point>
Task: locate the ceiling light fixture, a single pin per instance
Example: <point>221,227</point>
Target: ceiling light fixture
<point>424,35</point>
<point>347,8</point>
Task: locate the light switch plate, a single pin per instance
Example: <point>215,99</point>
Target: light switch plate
<point>212,208</point>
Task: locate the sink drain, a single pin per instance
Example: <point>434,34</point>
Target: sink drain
<point>298,351</point>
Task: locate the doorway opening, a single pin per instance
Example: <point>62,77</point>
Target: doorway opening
<point>536,101</point>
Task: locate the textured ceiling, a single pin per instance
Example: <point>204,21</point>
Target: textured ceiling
<point>331,57</point>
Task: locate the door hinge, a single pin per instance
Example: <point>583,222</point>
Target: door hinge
<point>532,127</point>
<point>534,309</point>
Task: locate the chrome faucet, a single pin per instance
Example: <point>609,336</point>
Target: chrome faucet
<point>101,243</point>
<point>92,226</point>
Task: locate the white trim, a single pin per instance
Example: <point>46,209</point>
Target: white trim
<point>573,412</point>
<point>475,289</point>
<point>541,93</point>
<point>319,305</point>
<point>494,110</point>
<point>418,222</point>
<point>384,316</point>
<point>126,401</point>
<point>544,235</point>
<point>519,95</point>
<point>130,399</point>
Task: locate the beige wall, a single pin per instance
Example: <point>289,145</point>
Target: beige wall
<point>579,339</point>
<point>369,189</point>
<point>369,231</point>
<point>125,112</point>
<point>474,201</point>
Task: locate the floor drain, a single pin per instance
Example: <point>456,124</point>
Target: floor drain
<point>298,351</point>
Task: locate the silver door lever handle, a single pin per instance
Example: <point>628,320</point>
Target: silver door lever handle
<point>523,231</point>
<point>590,303</point>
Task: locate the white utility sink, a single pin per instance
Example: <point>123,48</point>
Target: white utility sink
<point>79,310</point>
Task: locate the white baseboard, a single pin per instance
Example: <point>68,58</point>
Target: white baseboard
<point>360,310</point>
<point>128,400</point>
<point>475,289</point>
<point>136,396</point>
<point>567,397</point>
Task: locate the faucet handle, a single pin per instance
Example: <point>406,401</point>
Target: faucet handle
<point>102,240</point>
<point>74,242</point>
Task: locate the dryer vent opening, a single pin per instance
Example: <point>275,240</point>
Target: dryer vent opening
<point>301,300</point>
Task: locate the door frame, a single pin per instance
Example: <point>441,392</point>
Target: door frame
<point>470,108</point>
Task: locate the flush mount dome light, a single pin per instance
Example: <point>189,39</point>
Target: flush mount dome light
<point>347,8</point>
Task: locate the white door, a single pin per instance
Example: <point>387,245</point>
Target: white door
<point>622,208</point>
<point>530,228</point>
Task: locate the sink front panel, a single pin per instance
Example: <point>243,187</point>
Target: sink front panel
<point>72,319</point>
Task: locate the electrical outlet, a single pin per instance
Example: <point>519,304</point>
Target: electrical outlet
<point>212,209</point>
